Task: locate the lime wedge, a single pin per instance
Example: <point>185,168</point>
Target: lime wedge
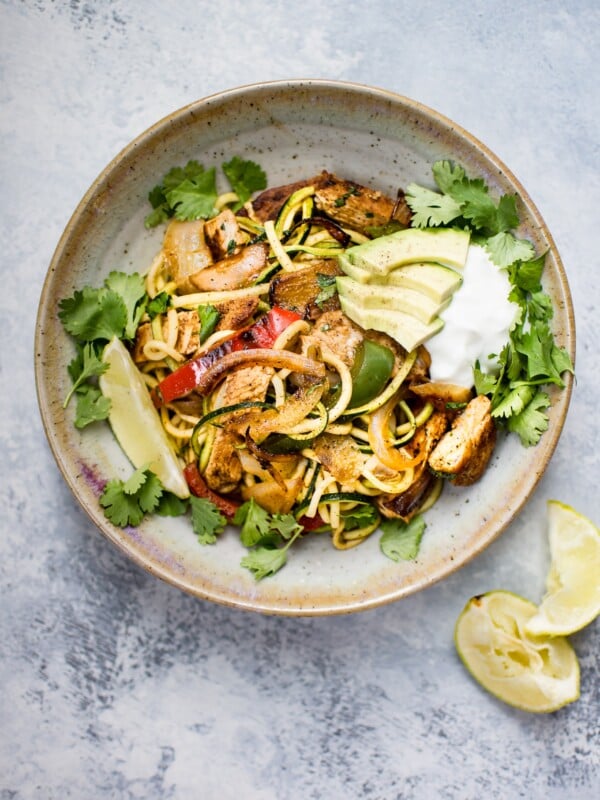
<point>135,422</point>
<point>572,599</point>
<point>537,674</point>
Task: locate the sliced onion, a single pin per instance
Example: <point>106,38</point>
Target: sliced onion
<point>279,359</point>
<point>381,440</point>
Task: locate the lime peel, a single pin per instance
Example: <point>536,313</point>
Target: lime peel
<point>572,599</point>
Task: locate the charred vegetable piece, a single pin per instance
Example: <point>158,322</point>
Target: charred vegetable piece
<point>300,290</point>
<point>260,335</point>
<point>371,371</point>
<point>232,272</point>
<point>358,206</point>
<point>199,488</point>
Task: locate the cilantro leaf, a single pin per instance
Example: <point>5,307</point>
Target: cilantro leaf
<point>186,193</point>
<point>114,309</point>
<point>127,502</point>
<point>401,540</point>
<point>245,177</point>
<point>527,275</point>
<point>209,317</point>
<point>254,522</point>
<point>91,406</point>
<point>430,208</point>
<point>328,286</point>
<point>485,382</point>
<point>258,527</point>
<point>93,314</point>
<point>207,520</point>
<point>515,401</point>
<point>532,421</point>
<point>171,506</point>
<point>446,174</point>
<point>504,249</point>
<point>265,561</point>
<point>130,287</point>
<point>86,364</point>
<point>360,517</point>
<point>194,199</point>
<point>158,305</point>
<point>285,525</point>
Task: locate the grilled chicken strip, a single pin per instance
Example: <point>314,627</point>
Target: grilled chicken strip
<point>224,470</point>
<point>338,334</point>
<point>233,315</point>
<point>463,453</point>
<point>223,234</point>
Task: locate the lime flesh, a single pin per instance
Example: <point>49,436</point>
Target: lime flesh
<point>538,674</point>
<point>136,423</point>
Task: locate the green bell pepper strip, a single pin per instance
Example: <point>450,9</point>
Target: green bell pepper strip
<point>370,372</point>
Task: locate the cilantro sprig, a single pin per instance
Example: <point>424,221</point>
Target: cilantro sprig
<point>269,537</point>
<point>92,317</point>
<point>127,502</point>
<point>114,309</point>
<point>531,359</point>
<point>190,192</point>
<point>401,541</point>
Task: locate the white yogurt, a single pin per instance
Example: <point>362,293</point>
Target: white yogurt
<point>476,323</point>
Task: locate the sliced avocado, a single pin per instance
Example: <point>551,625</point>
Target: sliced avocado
<point>434,280</point>
<point>446,246</point>
<point>395,298</point>
<point>406,330</point>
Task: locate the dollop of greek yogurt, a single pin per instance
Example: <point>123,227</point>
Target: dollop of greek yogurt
<point>477,322</point>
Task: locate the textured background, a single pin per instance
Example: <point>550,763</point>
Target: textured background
<point>114,685</point>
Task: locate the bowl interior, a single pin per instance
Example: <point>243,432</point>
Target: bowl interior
<point>293,129</point>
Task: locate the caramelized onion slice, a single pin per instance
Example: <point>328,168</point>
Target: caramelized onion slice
<point>381,439</point>
<point>279,359</point>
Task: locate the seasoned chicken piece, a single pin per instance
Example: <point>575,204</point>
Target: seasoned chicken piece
<point>223,234</point>
<point>185,251</point>
<point>347,202</point>
<point>299,291</point>
<point>224,470</point>
<point>188,327</point>
<point>232,272</point>
<point>357,206</point>
<point>463,453</point>
<point>338,334</point>
<point>340,456</point>
<point>235,314</point>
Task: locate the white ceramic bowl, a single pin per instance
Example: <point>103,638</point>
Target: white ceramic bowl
<point>293,129</point>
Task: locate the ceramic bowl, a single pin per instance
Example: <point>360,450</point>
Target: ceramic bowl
<point>293,129</point>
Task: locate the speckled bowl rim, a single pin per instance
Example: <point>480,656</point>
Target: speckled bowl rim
<point>494,526</point>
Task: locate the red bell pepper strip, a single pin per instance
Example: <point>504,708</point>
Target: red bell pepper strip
<point>262,334</point>
<point>198,487</point>
<point>311,523</point>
